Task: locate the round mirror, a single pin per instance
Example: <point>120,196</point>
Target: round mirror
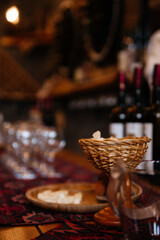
<point>102,24</point>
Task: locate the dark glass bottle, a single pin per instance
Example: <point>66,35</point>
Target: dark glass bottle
<point>47,112</point>
<point>118,114</point>
<point>148,131</point>
<point>156,113</point>
<point>135,113</point>
<point>148,127</point>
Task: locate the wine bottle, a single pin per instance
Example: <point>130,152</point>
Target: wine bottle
<point>47,114</point>
<point>156,113</point>
<point>134,115</point>
<point>118,114</point>
<point>148,131</point>
<point>147,120</point>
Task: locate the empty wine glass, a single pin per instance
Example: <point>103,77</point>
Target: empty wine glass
<point>17,154</point>
<point>31,148</point>
<point>50,142</point>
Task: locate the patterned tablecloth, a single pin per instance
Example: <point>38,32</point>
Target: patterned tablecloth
<point>78,230</point>
<point>16,210</point>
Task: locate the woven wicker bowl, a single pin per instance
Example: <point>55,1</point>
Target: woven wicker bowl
<point>104,153</point>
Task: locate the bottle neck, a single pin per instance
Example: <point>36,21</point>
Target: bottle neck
<point>138,97</point>
<point>121,98</point>
<point>156,95</point>
<point>138,75</point>
<point>156,90</point>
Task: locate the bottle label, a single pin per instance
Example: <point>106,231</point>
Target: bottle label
<point>134,129</point>
<point>150,167</point>
<point>116,130</point>
<point>148,132</point>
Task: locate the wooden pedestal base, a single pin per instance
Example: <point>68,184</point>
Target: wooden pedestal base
<point>107,218</point>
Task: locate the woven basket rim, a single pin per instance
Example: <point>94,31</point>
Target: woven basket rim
<point>129,139</point>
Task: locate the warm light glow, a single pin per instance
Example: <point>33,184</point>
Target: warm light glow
<point>12,15</point>
<point>127,40</point>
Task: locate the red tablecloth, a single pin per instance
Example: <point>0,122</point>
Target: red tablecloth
<point>15,209</point>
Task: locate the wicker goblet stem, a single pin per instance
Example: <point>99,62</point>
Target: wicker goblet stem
<point>128,191</point>
<point>102,183</point>
<point>106,217</point>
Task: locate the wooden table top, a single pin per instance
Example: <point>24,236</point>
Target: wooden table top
<point>24,233</point>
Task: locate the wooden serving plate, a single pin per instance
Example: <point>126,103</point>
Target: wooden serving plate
<point>89,201</point>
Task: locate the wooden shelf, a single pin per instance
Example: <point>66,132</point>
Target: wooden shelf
<point>98,78</point>
<point>32,38</point>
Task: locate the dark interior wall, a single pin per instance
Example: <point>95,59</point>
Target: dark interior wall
<point>83,123</point>
<point>16,110</point>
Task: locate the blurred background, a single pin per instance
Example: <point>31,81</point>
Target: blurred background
<point>59,59</point>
